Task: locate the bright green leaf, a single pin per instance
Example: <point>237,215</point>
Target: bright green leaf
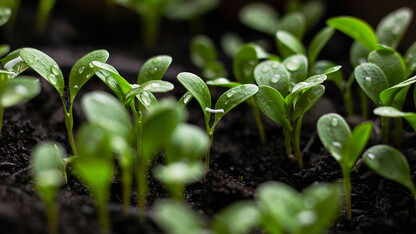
<point>4,49</point>
<point>307,100</point>
<point>239,217</point>
<point>297,65</point>
<point>18,90</point>
<point>5,13</point>
<point>387,96</point>
<point>154,68</point>
<point>153,86</point>
<point>288,44</point>
<point>223,82</point>
<point>353,148</point>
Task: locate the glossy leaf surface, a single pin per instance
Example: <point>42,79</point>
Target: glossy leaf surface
<point>154,68</point>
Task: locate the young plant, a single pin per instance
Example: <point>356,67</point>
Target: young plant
<point>227,101</point>
<point>95,168</point>
<point>276,98</point>
<point>391,112</point>
<point>391,164</point>
<point>345,146</point>
<point>5,13</point>
<point>48,175</point>
<point>284,210</point>
<point>183,151</point>
<point>44,9</point>
<point>237,218</point>
<point>46,67</point>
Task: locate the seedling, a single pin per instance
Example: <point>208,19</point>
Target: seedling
<point>275,101</point>
<point>95,167</point>
<point>391,164</point>
<point>44,9</point>
<point>284,210</point>
<point>227,101</point>
<point>184,150</point>
<point>5,13</point>
<point>345,146</point>
<point>46,67</point>
<point>49,174</point>
<point>391,112</point>
<point>237,218</point>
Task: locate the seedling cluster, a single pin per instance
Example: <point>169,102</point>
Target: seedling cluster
<point>131,134</point>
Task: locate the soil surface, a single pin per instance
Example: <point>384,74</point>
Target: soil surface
<point>239,162</point>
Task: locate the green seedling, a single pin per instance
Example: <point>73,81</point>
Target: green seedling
<point>227,101</point>
<point>103,110</point>
<point>231,43</point>
<point>238,218</point>
<point>48,175</point>
<point>284,104</point>
<point>391,112</point>
<point>345,146</point>
<point>44,9</point>
<point>95,167</point>
<point>184,150</point>
<point>391,164</point>
<point>47,68</point>
<point>5,13</point>
<point>10,9</point>
<point>284,210</point>
<point>204,56</point>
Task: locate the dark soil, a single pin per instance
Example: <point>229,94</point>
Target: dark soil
<point>239,162</point>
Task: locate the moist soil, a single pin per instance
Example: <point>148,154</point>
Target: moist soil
<point>239,162</point>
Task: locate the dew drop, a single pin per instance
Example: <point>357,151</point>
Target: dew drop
<point>55,70</point>
<point>81,69</point>
<point>396,30</point>
<point>336,144</point>
<point>293,65</point>
<point>265,69</point>
<point>156,85</point>
<point>226,102</point>
<point>156,60</point>
<point>367,78</point>
<point>371,156</point>
<point>52,78</point>
<point>186,99</point>
<point>20,89</point>
<point>75,86</point>
<point>275,78</point>
<point>275,65</point>
<point>242,87</point>
<point>306,217</point>
<point>91,65</point>
<point>334,122</point>
<point>214,110</point>
<point>230,93</point>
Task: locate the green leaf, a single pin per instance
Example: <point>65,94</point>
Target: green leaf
<point>288,44</point>
<point>334,133</point>
<point>273,105</point>
<point>5,13</point>
<point>313,11</point>
<point>392,112</point>
<point>179,172</point>
<point>353,148</point>
<point>83,70</point>
<point>165,214</point>
<point>307,100</point>
<point>18,90</point>
<point>318,43</point>
<point>273,74</point>
<point>387,96</point>
<point>357,29</point>
<point>223,82</point>
<point>14,63</point>
<point>371,80</point>
<point>4,49</point>
<point>154,68</point>
<point>197,87</point>
<point>410,60</point>
<point>332,71</point>
<point>294,23</point>
<point>390,62</point>
<point>202,51</point>
<point>244,64</point>
<point>103,110</point>
<point>231,43</point>
<point>260,16</point>
<point>158,126</point>
<point>214,69</point>
<point>239,217</point>
<point>392,27</point>
<point>358,54</point>
<point>297,65</point>
<point>232,97</point>
<point>109,75</point>
<point>147,99</point>
<point>153,86</point>
<point>93,141</point>
<point>187,142</point>
<point>48,165</point>
<point>309,83</point>
<point>185,99</point>
<point>45,66</point>
<point>389,163</point>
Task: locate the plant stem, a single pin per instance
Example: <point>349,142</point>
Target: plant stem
<point>288,143</point>
<point>385,130</point>
<point>1,117</point>
<point>296,141</point>
<point>364,104</point>
<point>208,153</point>
<point>52,216</point>
<point>103,215</point>
<point>141,173</point>
<point>126,183</point>
<point>257,118</point>
<point>347,189</point>
<point>348,102</point>
<point>398,127</point>
<point>69,123</point>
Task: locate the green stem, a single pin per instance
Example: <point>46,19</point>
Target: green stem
<point>257,118</point>
<point>69,123</point>
<point>385,130</point>
<point>347,189</point>
<point>208,153</point>
<point>1,117</point>
<point>103,216</point>
<point>126,183</point>
<point>296,141</point>
<point>141,173</point>
<point>151,24</point>
<point>52,216</point>
<point>398,127</point>
<point>348,102</point>
<point>364,104</point>
<point>288,143</point>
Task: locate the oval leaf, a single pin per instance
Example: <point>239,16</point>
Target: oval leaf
<point>371,80</point>
<point>147,99</point>
<point>153,86</point>
<point>410,60</point>
<point>390,62</point>
<point>353,148</point>
<point>244,63</point>
<point>297,65</point>
<point>273,74</point>
<point>288,44</point>
<point>5,13</point>
<point>239,217</point>
<point>387,96</point>
<point>154,68</point>
<point>318,43</point>
<point>392,27</point>
<point>294,23</point>
<point>18,90</point>
<point>202,51</point>
<point>307,100</point>
<point>259,16</point>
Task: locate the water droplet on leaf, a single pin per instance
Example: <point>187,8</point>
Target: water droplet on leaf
<point>371,156</point>
<point>156,60</point>
<point>334,122</point>
<point>75,86</point>
<point>20,89</point>
<point>81,69</point>
<point>367,78</point>
<point>293,65</point>
<point>52,78</point>
<point>230,93</point>
<point>55,70</point>
<point>336,144</point>
<point>265,69</point>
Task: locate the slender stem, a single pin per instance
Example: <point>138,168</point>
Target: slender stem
<point>288,143</point>
<point>208,153</point>
<point>141,176</point>
<point>126,183</point>
<point>151,24</point>
<point>257,118</point>
<point>398,127</point>
<point>385,130</point>
<point>348,102</point>
<point>296,141</point>
<point>52,216</point>
<point>347,189</point>
<point>103,216</point>
<point>177,192</point>
<point>69,123</point>
<point>1,117</point>
<point>364,104</point>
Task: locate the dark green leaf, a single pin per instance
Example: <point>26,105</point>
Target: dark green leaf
<point>390,63</point>
<point>260,16</point>
<point>307,100</point>
<point>353,148</point>
<point>313,11</point>
<point>331,70</point>
<point>358,54</point>
<point>294,23</point>
<point>239,217</point>
<point>318,43</point>
<point>4,49</point>
<point>272,104</point>
<point>214,69</point>
<point>389,163</point>
<point>154,68</point>
<point>410,60</point>
<point>83,70</point>
<point>244,63</point>
<point>357,29</point>
<point>147,99</point>
<point>223,82</point>
<point>5,13</point>
<point>371,80</point>
<point>202,51</point>
<point>309,83</point>
<point>273,74</point>
<point>288,44</point>
<point>387,96</point>
<point>392,112</point>
<point>392,27</point>
<point>44,66</point>
<point>18,90</point>
<point>297,65</point>
<point>231,43</point>
<point>153,86</point>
